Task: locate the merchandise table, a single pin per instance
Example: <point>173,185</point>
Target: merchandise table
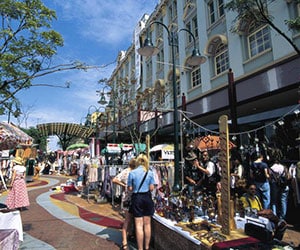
<point>167,234</point>
<point>9,239</point>
<point>12,220</point>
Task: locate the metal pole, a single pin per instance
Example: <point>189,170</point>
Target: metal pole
<point>114,120</point>
<point>176,186</point>
<point>232,102</point>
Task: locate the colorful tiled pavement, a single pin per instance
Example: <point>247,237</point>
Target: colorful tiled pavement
<point>48,226</point>
<point>58,221</point>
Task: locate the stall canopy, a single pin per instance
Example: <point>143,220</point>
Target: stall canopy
<point>11,136</point>
<point>114,148</point>
<point>167,151</point>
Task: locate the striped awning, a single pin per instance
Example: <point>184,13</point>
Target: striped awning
<point>12,136</point>
<point>58,128</point>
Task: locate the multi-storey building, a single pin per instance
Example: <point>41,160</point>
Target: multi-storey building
<point>265,80</point>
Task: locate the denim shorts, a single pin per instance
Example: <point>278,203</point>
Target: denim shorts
<point>142,204</point>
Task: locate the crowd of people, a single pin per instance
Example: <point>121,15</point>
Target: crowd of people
<point>263,185</point>
<point>269,183</point>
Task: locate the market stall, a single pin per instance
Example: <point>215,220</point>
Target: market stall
<point>162,152</point>
<point>204,220</point>
<point>13,138</point>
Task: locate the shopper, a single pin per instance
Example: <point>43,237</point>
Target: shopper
<point>253,208</point>
<point>121,179</point>
<point>279,189</point>
<point>18,196</point>
<point>141,183</point>
<point>192,174</point>
<point>259,173</point>
<point>211,174</point>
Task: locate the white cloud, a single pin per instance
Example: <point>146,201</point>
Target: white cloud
<point>94,32</point>
<point>107,22</point>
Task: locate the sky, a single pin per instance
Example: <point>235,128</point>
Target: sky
<point>94,32</point>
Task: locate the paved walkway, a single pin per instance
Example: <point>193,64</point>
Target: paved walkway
<point>50,224</point>
<point>47,226</point>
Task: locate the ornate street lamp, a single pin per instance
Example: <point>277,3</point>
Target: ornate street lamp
<point>102,100</point>
<point>95,124</point>
<point>112,104</point>
<point>195,59</point>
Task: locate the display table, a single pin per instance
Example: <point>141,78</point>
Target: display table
<point>167,234</point>
<point>12,220</point>
<point>9,239</point>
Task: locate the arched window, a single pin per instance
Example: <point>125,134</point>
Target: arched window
<point>221,58</point>
<point>217,50</point>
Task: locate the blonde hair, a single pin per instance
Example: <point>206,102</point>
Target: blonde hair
<point>143,160</point>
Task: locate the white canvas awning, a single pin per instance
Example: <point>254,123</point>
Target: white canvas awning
<point>167,151</point>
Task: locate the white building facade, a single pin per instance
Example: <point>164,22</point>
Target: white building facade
<point>266,72</point>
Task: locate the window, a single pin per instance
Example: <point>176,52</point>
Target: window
<point>258,39</point>
<point>172,11</point>
<point>215,10</point>
<point>159,29</point>
<point>221,7</point>
<point>221,58</point>
<point>149,69</point>
<point>196,77</point>
<point>211,12</point>
<point>193,28</point>
<point>160,60</point>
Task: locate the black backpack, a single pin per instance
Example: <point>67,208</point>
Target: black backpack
<point>258,172</point>
<point>281,180</point>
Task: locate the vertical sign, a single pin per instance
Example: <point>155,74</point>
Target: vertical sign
<point>225,172</point>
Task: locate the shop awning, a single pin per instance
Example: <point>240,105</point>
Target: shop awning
<point>12,136</point>
<point>167,151</point>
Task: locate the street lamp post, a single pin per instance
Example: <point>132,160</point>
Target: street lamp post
<point>111,104</point>
<point>97,126</point>
<point>195,59</point>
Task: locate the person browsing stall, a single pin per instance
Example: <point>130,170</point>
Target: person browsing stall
<point>210,178</point>
<point>193,175</point>
<point>17,197</point>
<point>121,180</point>
<point>141,183</point>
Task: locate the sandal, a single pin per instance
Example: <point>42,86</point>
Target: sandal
<point>124,246</point>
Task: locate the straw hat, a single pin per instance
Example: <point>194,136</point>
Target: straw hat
<point>191,156</point>
<point>18,160</point>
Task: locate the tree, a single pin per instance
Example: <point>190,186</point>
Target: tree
<point>257,10</point>
<point>27,46</point>
<point>37,138</point>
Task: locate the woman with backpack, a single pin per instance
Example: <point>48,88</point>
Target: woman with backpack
<point>279,188</point>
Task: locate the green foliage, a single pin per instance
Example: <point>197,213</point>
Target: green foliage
<point>27,44</point>
<point>38,138</point>
<point>294,23</point>
<point>257,11</point>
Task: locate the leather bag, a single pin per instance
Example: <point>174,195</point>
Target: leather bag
<point>258,230</point>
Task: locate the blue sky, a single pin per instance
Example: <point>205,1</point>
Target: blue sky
<point>94,32</point>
